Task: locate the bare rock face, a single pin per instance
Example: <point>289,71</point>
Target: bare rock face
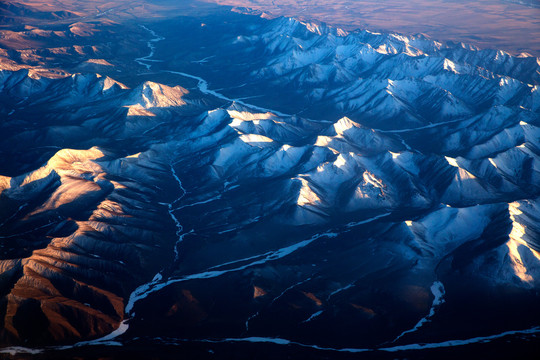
<point>78,233</point>
<point>76,244</point>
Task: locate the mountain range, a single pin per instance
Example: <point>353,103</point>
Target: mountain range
<point>266,180</point>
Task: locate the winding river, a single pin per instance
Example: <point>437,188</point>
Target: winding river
<point>159,282</point>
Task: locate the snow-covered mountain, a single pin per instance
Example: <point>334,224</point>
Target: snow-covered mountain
<point>387,81</point>
<point>393,170</point>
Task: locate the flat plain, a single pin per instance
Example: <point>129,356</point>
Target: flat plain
<point>493,24</point>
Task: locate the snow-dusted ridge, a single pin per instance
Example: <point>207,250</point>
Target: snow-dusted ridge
<point>422,168</point>
<point>202,84</point>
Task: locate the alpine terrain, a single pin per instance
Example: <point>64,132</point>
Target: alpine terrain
<point>191,180</point>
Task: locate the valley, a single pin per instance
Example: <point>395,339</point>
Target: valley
<point>219,182</point>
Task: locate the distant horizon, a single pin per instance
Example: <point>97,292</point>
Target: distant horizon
<point>192,179</point>
<point>491,24</point>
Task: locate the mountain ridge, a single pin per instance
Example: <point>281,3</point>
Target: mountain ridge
<point>115,199</point>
